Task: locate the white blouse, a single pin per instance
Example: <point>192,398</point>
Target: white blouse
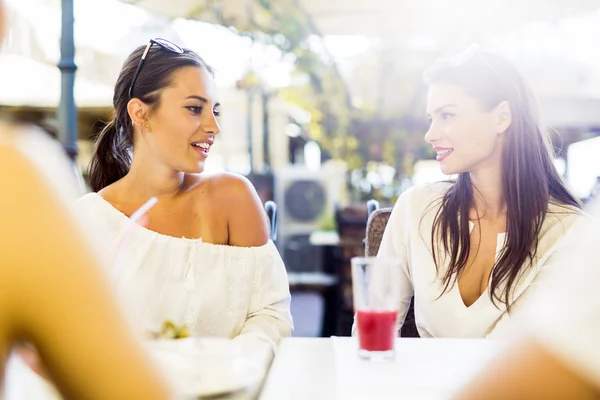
<point>408,237</point>
<point>216,290</point>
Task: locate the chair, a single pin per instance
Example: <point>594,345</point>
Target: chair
<point>351,225</point>
<point>271,210</point>
<point>376,223</point>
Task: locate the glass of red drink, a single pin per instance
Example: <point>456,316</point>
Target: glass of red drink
<point>376,293</point>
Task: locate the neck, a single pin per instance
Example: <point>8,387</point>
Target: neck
<point>150,179</point>
<point>488,193</point>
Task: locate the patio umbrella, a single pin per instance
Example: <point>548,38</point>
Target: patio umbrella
<point>386,18</point>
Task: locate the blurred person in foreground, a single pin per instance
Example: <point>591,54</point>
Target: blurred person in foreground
<point>476,247</point>
<point>558,355</point>
<point>204,262</point>
<point>52,291</point>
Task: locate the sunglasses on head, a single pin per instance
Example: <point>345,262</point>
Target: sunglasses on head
<point>470,53</point>
<point>473,52</point>
<point>163,43</point>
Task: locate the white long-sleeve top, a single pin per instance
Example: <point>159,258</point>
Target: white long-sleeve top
<point>408,237</point>
<point>216,290</point>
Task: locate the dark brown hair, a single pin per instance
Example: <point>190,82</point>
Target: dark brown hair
<point>112,155</point>
<point>529,177</point>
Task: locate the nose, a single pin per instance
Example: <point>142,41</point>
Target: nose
<point>433,134</point>
<point>211,125</point>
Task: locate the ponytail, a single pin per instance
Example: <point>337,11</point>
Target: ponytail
<point>112,156</point>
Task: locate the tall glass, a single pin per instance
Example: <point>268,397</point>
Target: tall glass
<point>376,293</point>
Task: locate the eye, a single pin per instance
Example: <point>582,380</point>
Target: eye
<point>447,116</point>
<point>194,109</point>
<point>217,113</point>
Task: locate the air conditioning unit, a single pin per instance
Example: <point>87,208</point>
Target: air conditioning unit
<point>304,198</point>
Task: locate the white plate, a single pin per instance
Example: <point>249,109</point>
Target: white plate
<point>205,367</point>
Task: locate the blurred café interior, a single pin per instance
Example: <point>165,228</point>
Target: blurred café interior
<point>323,102</point>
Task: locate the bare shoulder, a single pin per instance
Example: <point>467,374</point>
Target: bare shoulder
<point>246,219</point>
<point>230,180</point>
<point>230,188</point>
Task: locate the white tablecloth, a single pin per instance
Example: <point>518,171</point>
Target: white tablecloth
<point>330,369</point>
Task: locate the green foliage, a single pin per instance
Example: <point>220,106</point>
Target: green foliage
<point>345,132</point>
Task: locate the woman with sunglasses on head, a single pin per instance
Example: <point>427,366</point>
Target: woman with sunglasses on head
<point>475,248</point>
<point>206,240</point>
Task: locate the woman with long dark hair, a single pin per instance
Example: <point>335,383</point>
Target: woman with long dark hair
<point>204,258</point>
<point>476,247</point>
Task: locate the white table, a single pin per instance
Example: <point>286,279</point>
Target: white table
<point>307,368</point>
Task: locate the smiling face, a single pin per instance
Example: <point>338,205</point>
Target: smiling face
<point>464,135</point>
<point>184,125</point>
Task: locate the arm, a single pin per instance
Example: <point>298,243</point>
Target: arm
<point>394,245</point>
<point>505,326</point>
<point>269,317</point>
<point>528,371</point>
<point>57,298</point>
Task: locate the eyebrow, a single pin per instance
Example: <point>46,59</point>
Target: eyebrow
<point>201,99</point>
<point>437,110</point>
